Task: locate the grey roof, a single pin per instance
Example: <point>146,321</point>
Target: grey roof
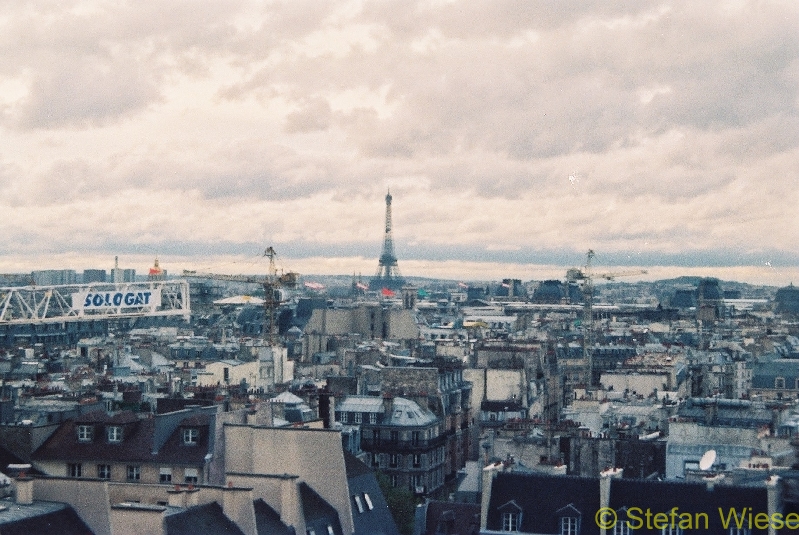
<point>407,412</point>
<point>360,404</point>
<point>764,373</point>
<point>208,518</point>
<point>40,517</point>
<point>267,520</point>
<point>362,482</point>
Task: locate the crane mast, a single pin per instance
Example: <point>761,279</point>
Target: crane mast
<point>587,276</point>
<point>272,284</point>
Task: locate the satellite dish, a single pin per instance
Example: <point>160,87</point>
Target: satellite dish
<point>707,460</point>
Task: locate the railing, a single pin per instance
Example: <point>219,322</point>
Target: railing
<point>401,445</point>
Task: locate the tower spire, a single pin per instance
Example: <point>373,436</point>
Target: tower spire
<point>388,274</point>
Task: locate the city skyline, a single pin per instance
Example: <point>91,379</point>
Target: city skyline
<point>514,136</point>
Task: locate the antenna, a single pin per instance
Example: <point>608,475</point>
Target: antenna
<point>707,460</point>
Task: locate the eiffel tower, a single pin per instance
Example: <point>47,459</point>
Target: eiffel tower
<point>388,275</point>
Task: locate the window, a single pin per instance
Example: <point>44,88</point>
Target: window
<point>671,530</point>
<point>394,436</point>
<point>85,433</point>
<point>393,460</point>
<point>622,527</point>
<point>358,503</point>
<point>510,521</point>
<point>358,417</point>
<point>134,472</point>
<point>394,480</point>
<point>376,436</point>
<point>375,459</point>
<point>103,471</point>
<point>739,531</point>
<point>779,382</point>
<point>330,530</point>
<point>368,501</point>
<point>373,417</point>
<point>568,525</point>
<point>190,436</point>
<point>114,433</point>
<point>165,475</point>
<point>415,438</point>
<point>190,476</point>
<point>417,460</point>
<point>74,470</point>
<point>344,417</point>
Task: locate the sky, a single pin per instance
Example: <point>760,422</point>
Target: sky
<point>513,136</point>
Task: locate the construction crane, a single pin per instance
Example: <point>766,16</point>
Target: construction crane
<point>272,284</point>
<point>587,277</point>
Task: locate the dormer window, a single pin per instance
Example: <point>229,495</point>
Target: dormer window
<point>114,433</point>
<point>568,525</point>
<point>511,516</point>
<point>190,436</point>
<point>510,521</point>
<point>569,520</point>
<point>85,433</point>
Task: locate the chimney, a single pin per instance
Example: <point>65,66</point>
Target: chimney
<point>488,474</point>
<point>24,490</point>
<point>388,406</point>
<point>177,497</point>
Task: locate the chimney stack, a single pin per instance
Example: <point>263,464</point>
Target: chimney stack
<point>24,490</point>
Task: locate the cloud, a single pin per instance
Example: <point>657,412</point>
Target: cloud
<point>207,127</point>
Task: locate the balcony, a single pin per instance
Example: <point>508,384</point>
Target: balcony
<point>383,444</point>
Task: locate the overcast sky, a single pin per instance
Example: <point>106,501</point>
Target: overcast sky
<point>513,135</point>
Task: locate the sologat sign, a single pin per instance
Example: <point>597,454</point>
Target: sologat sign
<point>116,299</point>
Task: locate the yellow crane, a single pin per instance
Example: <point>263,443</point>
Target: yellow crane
<point>587,277</point>
<point>272,284</point>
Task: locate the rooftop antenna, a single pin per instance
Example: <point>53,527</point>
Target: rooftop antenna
<point>707,460</point>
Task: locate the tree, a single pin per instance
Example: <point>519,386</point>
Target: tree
<point>401,503</point>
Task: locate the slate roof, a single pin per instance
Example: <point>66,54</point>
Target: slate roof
<point>688,497</point>
<point>543,499</point>
<point>267,520</point>
<point>540,497</point>
<point>136,444</point>
<point>452,518</point>
<point>60,519</point>
<point>764,373</point>
<point>207,518</point>
<point>319,515</point>
<point>362,482</point>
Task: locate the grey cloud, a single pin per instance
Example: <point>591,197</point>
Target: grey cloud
<point>83,95</point>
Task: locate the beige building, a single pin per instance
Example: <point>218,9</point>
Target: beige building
<point>369,321</point>
<point>297,460</point>
<point>271,368</point>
